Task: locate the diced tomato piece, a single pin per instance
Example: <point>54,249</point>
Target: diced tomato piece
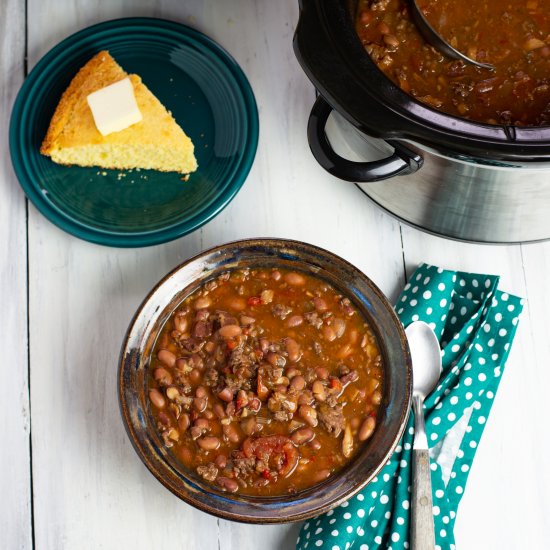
<point>266,474</point>
<point>240,403</point>
<point>254,301</point>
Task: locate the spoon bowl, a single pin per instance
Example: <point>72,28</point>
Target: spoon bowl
<point>426,358</point>
<point>437,41</point>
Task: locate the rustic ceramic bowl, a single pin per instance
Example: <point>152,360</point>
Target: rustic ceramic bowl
<point>185,279</point>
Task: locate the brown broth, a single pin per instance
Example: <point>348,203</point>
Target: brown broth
<point>225,353</point>
<point>512,36</point>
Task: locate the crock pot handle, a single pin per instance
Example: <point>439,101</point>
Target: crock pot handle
<point>403,161</point>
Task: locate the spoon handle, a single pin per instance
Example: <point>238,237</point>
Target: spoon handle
<point>423,536</point>
<point>423,531</point>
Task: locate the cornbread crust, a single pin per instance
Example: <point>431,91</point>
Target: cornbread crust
<point>157,142</point>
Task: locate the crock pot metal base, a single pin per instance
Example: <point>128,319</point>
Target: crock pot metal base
<point>457,198</point>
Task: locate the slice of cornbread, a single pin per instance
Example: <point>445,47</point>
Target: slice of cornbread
<point>157,142</point>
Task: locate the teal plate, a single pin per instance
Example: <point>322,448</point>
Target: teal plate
<point>195,79</point>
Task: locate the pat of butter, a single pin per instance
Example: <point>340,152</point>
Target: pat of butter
<point>114,107</point>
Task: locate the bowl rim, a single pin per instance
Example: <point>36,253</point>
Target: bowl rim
<point>276,517</point>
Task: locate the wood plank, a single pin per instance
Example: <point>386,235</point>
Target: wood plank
<point>506,499</point>
<point>91,489</point>
<point>15,470</point>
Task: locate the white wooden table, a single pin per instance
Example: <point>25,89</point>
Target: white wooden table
<point>69,478</point>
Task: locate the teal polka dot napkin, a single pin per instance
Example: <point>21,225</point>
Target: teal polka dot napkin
<point>475,324</point>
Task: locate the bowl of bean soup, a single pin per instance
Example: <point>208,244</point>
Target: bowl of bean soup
<point>265,381</point>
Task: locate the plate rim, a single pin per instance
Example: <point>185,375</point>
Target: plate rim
<point>117,239</point>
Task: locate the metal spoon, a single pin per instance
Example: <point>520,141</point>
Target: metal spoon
<point>426,361</point>
<point>437,41</point>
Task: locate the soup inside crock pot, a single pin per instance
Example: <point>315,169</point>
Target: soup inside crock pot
<point>513,37</point>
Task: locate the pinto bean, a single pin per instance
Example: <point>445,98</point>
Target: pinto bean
<point>186,456</point>
<point>208,443</point>
<point>181,324</point>
<point>249,425</point>
<point>301,436</point>
<point>322,373</point>
<point>218,409</point>
<point>237,304</point>
<point>157,399</point>
<point>305,399</point>
<point>320,475</point>
<point>202,423</point>
<point>329,333</point>
<point>226,395</point>
<point>319,391</point>
<point>196,432</point>
<point>200,403</point>
<point>294,321</point>
<point>196,361</point>
<point>209,347</point>
<point>162,376</point>
<point>227,484</point>
<point>320,304</point>
<point>230,431</point>
<point>183,422</point>
<point>230,331</point>
<point>167,357</point>
<point>291,372</point>
<point>298,383</point>
<point>201,391</point>
<point>182,364</point>
<point>367,428</point>
<point>295,279</point>
<point>293,349</point>
<point>221,461</point>
<point>309,414</point>
<point>315,445</point>
<point>339,326</point>
<point>195,376</point>
<point>347,442</point>
<point>202,302</point>
<point>276,275</point>
<point>275,360</point>
<point>246,320</point>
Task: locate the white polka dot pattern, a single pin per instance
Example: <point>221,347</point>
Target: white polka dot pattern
<point>475,343</point>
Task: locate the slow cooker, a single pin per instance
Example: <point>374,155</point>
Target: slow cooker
<point>447,175</point>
